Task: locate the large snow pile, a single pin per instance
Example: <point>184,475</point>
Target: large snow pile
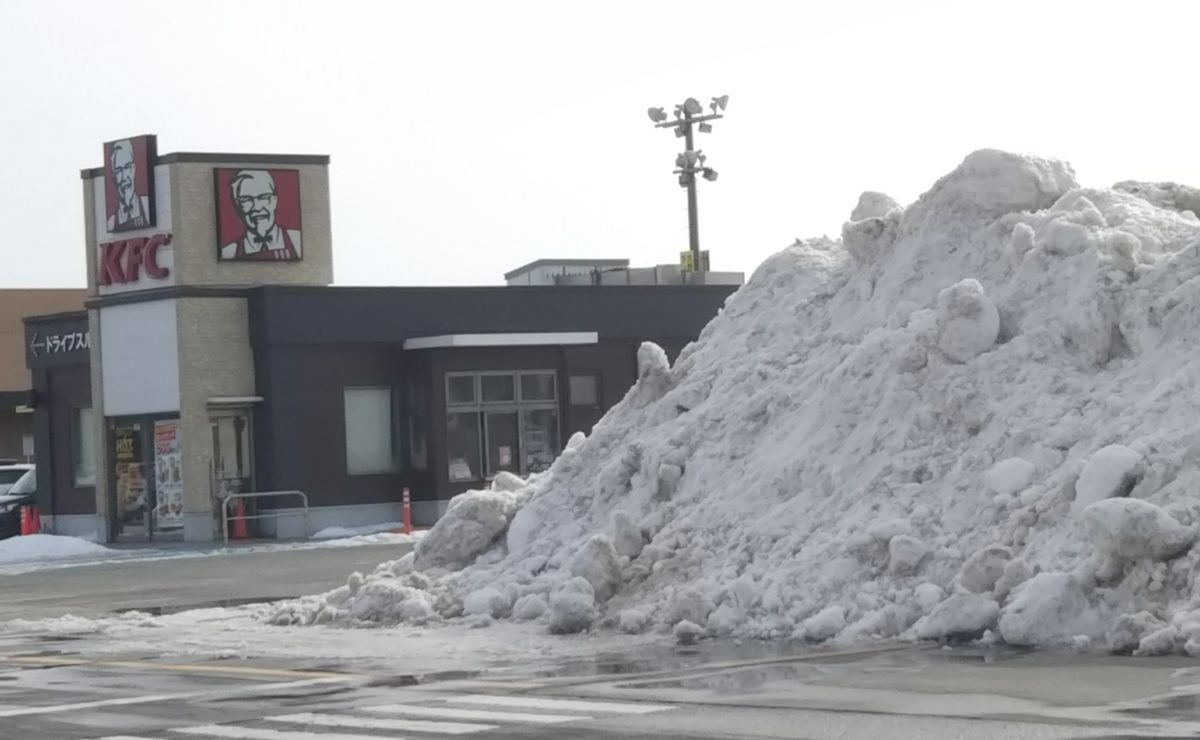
<point>976,416</point>
<point>47,547</point>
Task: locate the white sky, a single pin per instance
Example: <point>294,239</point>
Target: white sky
<point>469,138</point>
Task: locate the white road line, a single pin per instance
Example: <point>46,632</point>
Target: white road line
<point>409,710</point>
<point>360,723</point>
<point>249,733</point>
<point>563,705</point>
<point>247,691</point>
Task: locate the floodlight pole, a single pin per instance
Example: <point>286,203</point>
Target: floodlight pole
<point>693,210</point>
<point>684,127</point>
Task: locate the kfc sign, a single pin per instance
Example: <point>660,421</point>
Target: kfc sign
<point>258,215</point>
<point>129,183</point>
<point>124,261</point>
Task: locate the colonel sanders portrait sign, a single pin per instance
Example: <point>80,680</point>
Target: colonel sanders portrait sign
<point>129,183</point>
<point>258,215</point>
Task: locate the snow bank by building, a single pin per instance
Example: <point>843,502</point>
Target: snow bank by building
<point>974,414</point>
<point>47,547</point>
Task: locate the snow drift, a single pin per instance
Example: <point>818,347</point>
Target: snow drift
<point>972,416</point>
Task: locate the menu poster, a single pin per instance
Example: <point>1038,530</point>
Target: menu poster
<point>131,481</point>
<point>168,475</point>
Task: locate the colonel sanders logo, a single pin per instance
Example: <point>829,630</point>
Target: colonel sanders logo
<point>258,215</point>
<point>129,184</point>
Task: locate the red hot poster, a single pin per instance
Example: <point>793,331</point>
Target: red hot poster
<point>258,215</point>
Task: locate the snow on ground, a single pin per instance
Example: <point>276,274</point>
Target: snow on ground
<point>87,553</point>
<point>972,416</point>
<point>47,547</point>
<point>242,632</point>
<point>330,533</point>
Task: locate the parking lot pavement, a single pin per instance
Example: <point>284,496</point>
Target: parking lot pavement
<point>46,692</point>
<point>175,583</point>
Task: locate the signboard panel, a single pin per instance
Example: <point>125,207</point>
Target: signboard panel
<point>129,196</point>
<point>168,476</point>
<point>258,215</point>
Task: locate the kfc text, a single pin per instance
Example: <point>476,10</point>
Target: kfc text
<point>122,261</point>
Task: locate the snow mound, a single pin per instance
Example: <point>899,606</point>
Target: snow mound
<point>911,423</point>
<point>47,547</point>
<point>1109,471</point>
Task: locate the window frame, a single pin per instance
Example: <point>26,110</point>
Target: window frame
<point>78,434</point>
<point>519,406</point>
<point>394,397</point>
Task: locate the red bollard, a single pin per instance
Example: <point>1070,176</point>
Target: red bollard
<point>35,521</point>
<point>26,522</point>
<point>407,513</point>
<point>239,521</point>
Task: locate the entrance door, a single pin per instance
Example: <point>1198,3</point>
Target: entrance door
<point>232,462</point>
<point>133,485</point>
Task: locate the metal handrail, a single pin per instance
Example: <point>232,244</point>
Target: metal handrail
<point>276,513</point>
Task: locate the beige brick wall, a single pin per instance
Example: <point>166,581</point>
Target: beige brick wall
<point>101,428</point>
<point>89,237</point>
<point>195,231</point>
<point>215,360</point>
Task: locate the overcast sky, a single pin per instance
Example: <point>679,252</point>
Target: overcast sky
<point>469,138</point>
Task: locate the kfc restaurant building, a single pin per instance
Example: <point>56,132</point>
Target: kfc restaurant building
<point>215,357</point>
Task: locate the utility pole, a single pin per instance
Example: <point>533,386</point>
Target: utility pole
<point>688,117</point>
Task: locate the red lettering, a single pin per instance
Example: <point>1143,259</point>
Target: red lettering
<point>133,259</point>
<point>110,263</point>
<point>150,256</point>
<point>123,261</point>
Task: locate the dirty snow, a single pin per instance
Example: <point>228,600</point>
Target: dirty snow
<point>915,422</point>
<point>47,547</point>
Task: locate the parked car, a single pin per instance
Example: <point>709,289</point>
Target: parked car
<point>10,474</point>
<point>19,494</point>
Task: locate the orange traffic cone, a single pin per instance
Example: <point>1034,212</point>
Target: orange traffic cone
<point>239,521</point>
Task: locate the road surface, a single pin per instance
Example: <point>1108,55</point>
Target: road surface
<point>56,685</point>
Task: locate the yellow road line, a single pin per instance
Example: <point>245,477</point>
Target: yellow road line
<point>46,660</point>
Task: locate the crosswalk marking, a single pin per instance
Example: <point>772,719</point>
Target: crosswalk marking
<point>362,723</point>
<point>248,733</point>
<point>564,705</point>
<point>484,715</point>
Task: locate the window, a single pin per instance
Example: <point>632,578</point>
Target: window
<point>83,447</point>
<point>537,387</point>
<point>512,427</point>
<point>498,388</point>
<point>460,389</point>
<point>370,431</point>
<point>418,447</point>
<point>584,391</point>
<point>462,446</point>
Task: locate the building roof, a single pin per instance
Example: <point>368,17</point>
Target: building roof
<point>222,158</point>
<point>564,263</point>
<point>15,305</point>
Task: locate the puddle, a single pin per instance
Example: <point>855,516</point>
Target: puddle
<point>158,611</point>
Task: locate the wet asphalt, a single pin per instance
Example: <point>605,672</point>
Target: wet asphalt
<point>712,690</point>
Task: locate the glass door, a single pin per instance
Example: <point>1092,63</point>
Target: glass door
<point>503,442</point>
<point>233,465</point>
<point>133,492</point>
